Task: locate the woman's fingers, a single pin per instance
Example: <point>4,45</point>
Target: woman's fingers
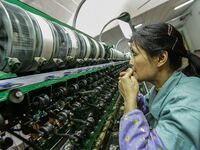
<point>125,84</point>
<point>120,87</point>
<point>136,84</point>
<point>128,72</point>
<point>121,74</point>
<point>133,79</point>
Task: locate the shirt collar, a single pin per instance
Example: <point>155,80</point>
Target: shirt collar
<point>157,100</point>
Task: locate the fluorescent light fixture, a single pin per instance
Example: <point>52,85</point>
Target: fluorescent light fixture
<point>137,26</point>
<point>182,5</point>
<point>126,29</point>
<point>124,23</point>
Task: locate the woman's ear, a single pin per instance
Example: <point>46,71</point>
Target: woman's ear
<point>162,59</point>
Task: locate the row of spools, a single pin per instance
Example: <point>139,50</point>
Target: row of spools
<point>29,42</point>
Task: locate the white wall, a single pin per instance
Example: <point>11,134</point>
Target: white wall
<point>191,27</point>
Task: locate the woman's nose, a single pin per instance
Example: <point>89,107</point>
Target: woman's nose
<point>131,62</point>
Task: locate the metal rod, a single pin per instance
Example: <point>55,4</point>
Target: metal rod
<point>77,12</point>
<point>100,35</point>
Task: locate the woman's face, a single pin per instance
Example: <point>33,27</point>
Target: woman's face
<point>144,68</point>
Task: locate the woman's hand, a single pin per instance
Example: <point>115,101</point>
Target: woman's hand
<point>128,87</point>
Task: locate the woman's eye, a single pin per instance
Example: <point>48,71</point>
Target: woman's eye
<point>133,54</point>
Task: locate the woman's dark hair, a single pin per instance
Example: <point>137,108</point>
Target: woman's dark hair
<point>156,38</point>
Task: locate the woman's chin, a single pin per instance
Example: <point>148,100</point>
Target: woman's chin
<point>137,77</point>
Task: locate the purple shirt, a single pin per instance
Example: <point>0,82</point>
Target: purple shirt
<point>134,133</point>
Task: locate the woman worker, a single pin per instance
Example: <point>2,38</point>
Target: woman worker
<point>173,119</point>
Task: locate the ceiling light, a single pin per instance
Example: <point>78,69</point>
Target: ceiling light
<point>137,26</point>
<point>125,25</point>
<point>183,4</point>
<point>126,29</point>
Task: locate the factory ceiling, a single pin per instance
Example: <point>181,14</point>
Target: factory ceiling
<point>94,14</point>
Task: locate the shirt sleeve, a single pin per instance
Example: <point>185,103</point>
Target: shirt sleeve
<point>135,134</point>
<point>142,103</point>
